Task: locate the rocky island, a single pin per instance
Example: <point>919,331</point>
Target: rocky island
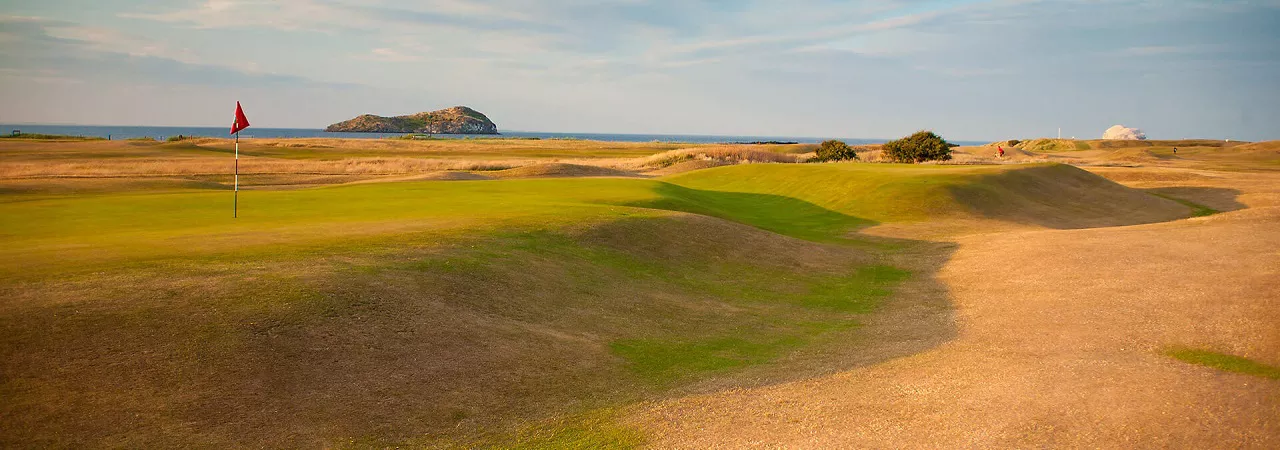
<point>455,120</point>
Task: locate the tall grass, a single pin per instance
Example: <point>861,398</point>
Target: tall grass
<point>731,154</point>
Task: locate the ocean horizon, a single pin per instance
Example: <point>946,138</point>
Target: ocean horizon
<point>162,133</point>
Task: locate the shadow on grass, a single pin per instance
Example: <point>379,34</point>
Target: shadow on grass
<point>1065,197</point>
<point>1222,361</point>
<point>911,306</point>
<point>1203,201</point>
<point>783,215</point>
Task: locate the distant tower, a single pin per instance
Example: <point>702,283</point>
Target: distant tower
<point>1059,132</point>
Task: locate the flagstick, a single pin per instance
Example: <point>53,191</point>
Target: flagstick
<point>235,205</point>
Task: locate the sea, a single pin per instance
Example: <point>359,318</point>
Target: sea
<point>162,133</point>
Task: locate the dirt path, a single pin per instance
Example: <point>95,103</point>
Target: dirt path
<point>1059,344</point>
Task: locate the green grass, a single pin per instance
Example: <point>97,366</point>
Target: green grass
<point>1197,210</point>
<point>598,429</point>
<point>664,360</point>
<point>1221,361</point>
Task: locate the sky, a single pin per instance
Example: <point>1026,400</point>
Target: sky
<point>969,70</point>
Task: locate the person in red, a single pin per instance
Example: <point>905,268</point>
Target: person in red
<point>1000,151</point>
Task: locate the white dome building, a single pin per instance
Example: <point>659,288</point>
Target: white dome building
<point>1121,132</point>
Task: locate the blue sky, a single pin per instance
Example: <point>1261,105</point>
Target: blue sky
<point>971,70</point>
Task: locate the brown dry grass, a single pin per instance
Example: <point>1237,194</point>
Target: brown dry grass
<point>366,159</point>
<point>728,154</point>
<point>248,166</point>
<point>1060,344</point>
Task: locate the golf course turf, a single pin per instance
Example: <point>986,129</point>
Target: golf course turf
<point>470,313</point>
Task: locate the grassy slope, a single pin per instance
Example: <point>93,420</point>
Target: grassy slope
<point>1052,196</point>
<point>408,312</point>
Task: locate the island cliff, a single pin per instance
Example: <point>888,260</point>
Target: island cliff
<point>455,120</point>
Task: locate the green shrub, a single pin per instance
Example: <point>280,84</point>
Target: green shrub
<point>919,147</point>
<point>835,151</point>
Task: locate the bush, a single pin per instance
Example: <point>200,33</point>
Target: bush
<point>919,147</point>
<point>835,151</point>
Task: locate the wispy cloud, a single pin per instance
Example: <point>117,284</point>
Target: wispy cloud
<point>289,15</point>
<point>40,76</point>
<point>51,48</point>
<point>1162,50</point>
<point>658,65</point>
<point>390,55</point>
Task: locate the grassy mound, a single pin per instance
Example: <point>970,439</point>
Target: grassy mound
<point>689,166</point>
<point>1272,146</point>
<point>724,155</point>
<point>1049,195</point>
<point>559,170</point>
<point>1136,155</point>
<point>1181,143</point>
<point>1043,145</point>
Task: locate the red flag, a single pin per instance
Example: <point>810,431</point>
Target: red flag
<point>241,122</point>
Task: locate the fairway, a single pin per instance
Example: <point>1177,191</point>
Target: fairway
<point>554,308</point>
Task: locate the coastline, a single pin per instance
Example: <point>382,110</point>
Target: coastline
<point>161,133</point>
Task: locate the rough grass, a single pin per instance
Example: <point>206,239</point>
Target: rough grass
<point>1221,361</point>
<point>728,154</point>
<point>207,157</point>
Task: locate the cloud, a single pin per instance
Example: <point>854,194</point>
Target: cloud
<point>290,15</point>
<point>38,76</point>
<point>48,50</point>
<point>390,55</point>
<point>656,35</point>
<point>1167,50</point>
